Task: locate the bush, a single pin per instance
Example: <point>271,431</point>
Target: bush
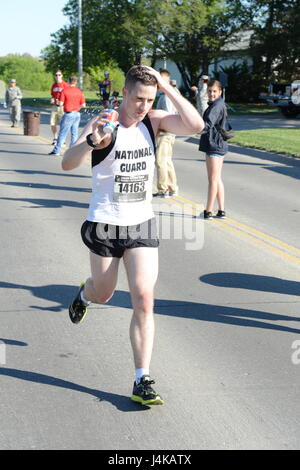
<point>243,85</point>
<point>96,74</point>
<point>29,72</point>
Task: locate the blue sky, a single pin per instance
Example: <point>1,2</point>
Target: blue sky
<point>26,25</point>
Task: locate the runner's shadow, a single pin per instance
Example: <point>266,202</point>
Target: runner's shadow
<point>56,293</point>
<point>229,315</point>
<point>121,402</point>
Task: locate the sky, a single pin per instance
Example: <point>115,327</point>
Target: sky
<point>26,25</point>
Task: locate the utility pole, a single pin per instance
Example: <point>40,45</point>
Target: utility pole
<point>80,61</point>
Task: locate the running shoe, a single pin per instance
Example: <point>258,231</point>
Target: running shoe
<point>144,394</point>
<point>207,215</point>
<point>221,214</point>
<point>77,309</point>
<point>165,194</point>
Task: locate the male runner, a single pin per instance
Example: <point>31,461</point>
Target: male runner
<point>120,222</point>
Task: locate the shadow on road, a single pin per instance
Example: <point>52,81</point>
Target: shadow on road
<point>62,295</point>
<point>48,203</point>
<point>14,152</point>
<point>252,282</point>
<point>121,402</point>
<point>44,172</point>
<point>264,155</point>
<point>13,342</point>
<point>18,184</point>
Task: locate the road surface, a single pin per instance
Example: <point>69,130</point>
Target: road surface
<point>227,350</point>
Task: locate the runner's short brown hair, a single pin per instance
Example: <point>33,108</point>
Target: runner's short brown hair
<point>139,73</point>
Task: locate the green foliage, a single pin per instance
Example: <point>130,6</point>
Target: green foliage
<point>96,74</point>
<point>29,72</point>
<point>189,32</point>
<point>243,85</point>
<point>276,39</point>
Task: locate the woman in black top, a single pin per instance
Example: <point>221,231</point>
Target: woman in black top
<point>215,148</point>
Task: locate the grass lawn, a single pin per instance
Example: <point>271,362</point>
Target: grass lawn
<point>41,99</point>
<point>286,141</point>
<point>247,108</point>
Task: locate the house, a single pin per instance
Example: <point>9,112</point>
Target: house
<point>236,51</point>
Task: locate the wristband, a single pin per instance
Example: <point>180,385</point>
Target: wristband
<point>90,142</point>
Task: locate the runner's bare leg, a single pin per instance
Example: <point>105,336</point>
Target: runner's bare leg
<point>141,265</point>
<point>99,288</point>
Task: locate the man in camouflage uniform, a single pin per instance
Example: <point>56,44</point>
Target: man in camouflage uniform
<point>13,98</point>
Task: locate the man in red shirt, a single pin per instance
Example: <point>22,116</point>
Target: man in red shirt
<point>72,99</point>
<point>57,110</point>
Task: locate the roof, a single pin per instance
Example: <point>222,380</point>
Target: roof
<point>238,41</point>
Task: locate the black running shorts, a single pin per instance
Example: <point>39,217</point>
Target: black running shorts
<point>112,240</point>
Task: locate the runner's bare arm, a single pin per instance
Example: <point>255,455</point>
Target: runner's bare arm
<point>187,122</point>
<point>80,151</point>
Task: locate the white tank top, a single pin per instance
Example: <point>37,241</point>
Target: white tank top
<point>122,176</point>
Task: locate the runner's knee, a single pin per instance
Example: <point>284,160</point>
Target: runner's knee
<point>143,301</point>
<point>103,297</point>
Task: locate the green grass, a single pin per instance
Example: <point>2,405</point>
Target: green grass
<point>31,94</point>
<point>41,99</point>
<point>284,141</point>
<point>251,108</point>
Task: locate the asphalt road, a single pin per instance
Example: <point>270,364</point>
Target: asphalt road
<point>227,350</point>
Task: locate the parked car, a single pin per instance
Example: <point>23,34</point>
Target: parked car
<point>286,97</point>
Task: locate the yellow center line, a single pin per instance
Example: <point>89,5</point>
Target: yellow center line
<point>249,233</point>
<point>259,234</point>
<point>260,242</point>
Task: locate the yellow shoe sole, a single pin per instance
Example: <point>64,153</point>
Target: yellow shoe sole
<point>154,401</point>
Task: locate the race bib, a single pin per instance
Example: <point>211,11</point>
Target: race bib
<point>130,188</point>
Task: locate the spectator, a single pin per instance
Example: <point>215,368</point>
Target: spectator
<point>166,176</point>
<point>105,89</point>
<point>12,100</point>
<point>215,148</point>
<point>57,110</point>
<point>201,94</point>
<point>72,99</point>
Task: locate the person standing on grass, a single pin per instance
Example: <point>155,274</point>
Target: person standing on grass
<point>215,148</point>
<point>57,110</point>
<point>72,99</point>
<point>121,222</point>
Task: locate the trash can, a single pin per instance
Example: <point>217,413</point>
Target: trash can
<point>31,122</point>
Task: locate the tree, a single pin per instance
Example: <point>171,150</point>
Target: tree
<point>29,72</point>
<point>189,32</point>
<point>112,31</point>
<point>193,32</point>
<point>276,39</point>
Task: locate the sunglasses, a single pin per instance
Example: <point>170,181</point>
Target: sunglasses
<point>58,74</point>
